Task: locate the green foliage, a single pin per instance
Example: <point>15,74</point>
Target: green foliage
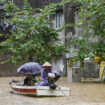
<point>83,49</point>
<point>11,8</point>
<point>92,12</point>
<point>32,39</point>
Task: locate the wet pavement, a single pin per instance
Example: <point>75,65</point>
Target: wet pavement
<point>81,94</point>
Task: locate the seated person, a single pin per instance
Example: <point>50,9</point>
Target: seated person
<point>48,76</point>
<point>35,80</point>
<point>28,80</point>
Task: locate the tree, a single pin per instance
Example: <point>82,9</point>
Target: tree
<point>92,41</point>
<point>32,39</point>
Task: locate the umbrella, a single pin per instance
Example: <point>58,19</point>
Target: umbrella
<point>30,68</point>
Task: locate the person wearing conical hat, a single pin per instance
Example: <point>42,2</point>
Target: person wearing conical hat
<point>47,64</point>
<point>48,75</point>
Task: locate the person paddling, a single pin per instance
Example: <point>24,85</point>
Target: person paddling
<point>48,76</point>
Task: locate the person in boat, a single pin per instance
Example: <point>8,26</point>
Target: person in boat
<point>34,79</point>
<point>28,81</point>
<point>48,76</point>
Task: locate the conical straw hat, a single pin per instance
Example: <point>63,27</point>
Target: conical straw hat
<point>47,64</point>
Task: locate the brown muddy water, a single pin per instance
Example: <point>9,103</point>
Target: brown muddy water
<point>81,94</point>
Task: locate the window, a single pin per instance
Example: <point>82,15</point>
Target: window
<point>58,20</point>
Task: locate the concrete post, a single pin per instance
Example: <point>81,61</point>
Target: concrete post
<point>74,74</point>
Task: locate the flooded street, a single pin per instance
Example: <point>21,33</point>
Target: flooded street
<point>81,94</point>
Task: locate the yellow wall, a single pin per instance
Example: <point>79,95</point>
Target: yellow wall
<point>102,65</point>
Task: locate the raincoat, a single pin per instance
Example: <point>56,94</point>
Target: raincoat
<point>44,77</point>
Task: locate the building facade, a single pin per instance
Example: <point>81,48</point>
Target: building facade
<point>64,15</point>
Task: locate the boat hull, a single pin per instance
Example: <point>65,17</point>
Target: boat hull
<point>26,90</point>
<point>40,90</point>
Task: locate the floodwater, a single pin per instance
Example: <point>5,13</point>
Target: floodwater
<point>81,94</point>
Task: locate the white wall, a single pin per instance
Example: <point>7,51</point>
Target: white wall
<point>58,63</point>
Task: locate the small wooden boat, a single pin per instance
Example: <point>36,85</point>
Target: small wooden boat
<point>39,90</point>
